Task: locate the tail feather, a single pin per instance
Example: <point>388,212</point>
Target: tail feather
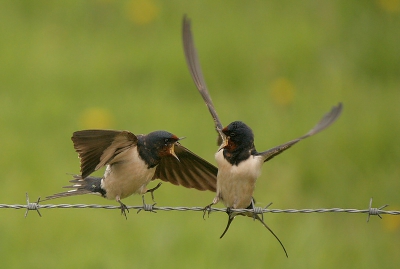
<point>81,186</point>
<point>256,217</point>
<point>232,215</point>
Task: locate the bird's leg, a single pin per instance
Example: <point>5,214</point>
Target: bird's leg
<point>124,208</point>
<point>208,207</point>
<point>152,190</point>
<point>231,217</point>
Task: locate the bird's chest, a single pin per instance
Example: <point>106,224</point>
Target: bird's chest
<point>127,174</point>
<point>236,183</point>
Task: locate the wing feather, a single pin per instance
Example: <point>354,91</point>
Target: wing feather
<point>193,64</point>
<point>191,171</point>
<point>325,122</point>
<point>96,148</point>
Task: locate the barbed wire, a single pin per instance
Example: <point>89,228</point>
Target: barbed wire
<point>371,211</point>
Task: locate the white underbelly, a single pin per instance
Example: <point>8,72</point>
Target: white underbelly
<point>235,184</point>
<point>126,175</point>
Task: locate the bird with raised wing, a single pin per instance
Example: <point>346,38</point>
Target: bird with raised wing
<point>239,163</point>
<point>132,161</point>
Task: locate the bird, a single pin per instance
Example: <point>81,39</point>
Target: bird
<point>239,163</point>
<point>132,161</point>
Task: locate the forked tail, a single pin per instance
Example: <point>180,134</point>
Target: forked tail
<point>81,186</point>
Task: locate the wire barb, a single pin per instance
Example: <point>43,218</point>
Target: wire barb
<point>259,210</point>
<point>32,206</point>
<point>152,208</point>
<point>147,207</point>
<point>373,211</point>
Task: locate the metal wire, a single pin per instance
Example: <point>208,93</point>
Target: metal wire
<point>371,211</point>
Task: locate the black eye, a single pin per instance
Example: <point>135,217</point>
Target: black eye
<point>232,134</point>
<point>166,140</point>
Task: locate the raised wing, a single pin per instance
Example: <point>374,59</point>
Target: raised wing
<point>326,121</point>
<point>193,63</point>
<point>96,148</point>
<point>191,171</point>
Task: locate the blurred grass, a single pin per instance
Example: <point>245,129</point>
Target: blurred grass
<point>278,66</point>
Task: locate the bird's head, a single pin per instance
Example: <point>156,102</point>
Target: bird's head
<point>238,134</point>
<point>163,142</point>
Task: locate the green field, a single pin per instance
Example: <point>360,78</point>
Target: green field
<point>276,65</point>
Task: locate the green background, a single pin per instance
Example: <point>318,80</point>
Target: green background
<point>277,65</point>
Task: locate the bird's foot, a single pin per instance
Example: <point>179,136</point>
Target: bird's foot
<point>207,209</point>
<point>153,189</point>
<point>124,208</point>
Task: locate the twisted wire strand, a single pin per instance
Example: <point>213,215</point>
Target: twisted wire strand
<point>371,211</point>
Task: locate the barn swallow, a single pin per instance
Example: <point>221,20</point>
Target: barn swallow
<point>239,163</point>
<point>132,161</point>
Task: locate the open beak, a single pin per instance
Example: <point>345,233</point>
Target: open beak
<point>172,148</point>
<point>224,143</point>
<point>224,139</point>
<point>172,152</point>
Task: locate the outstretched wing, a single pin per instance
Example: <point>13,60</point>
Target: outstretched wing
<point>190,171</point>
<point>326,121</point>
<point>193,63</point>
<point>96,148</point>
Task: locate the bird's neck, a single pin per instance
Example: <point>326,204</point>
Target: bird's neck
<point>148,154</point>
<point>239,154</point>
